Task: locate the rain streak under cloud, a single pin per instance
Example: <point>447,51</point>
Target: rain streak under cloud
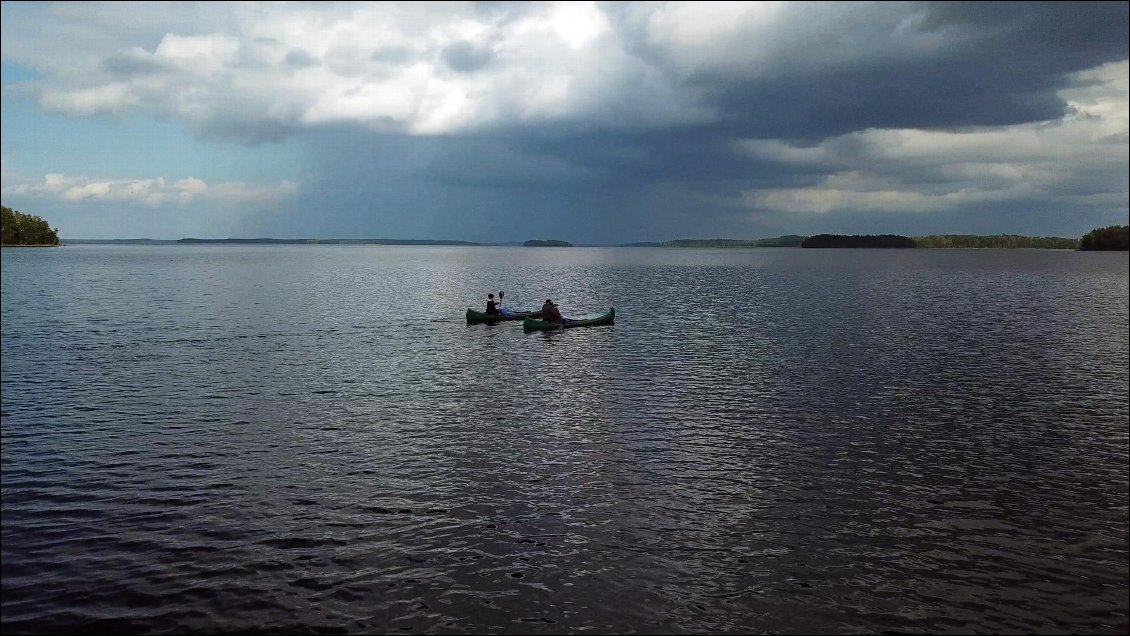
<point>589,122</point>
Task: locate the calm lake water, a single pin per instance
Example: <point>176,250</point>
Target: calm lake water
<point>311,439</point>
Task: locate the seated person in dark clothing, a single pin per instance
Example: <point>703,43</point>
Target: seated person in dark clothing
<point>549,312</point>
<point>492,306</point>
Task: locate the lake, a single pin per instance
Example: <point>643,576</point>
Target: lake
<point>311,439</point>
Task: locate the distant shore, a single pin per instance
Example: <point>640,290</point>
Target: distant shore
<point>275,241</point>
<point>1112,238</point>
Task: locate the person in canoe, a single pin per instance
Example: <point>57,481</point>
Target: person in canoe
<point>549,312</point>
<point>494,308</point>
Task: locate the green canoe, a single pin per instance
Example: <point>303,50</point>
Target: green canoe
<point>606,317</point>
<point>474,317</point>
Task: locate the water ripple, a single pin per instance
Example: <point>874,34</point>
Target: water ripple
<point>260,440</point>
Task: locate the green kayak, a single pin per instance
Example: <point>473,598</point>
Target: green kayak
<point>474,317</point>
<point>606,317</point>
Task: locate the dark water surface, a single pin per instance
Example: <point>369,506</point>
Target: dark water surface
<point>310,439</point>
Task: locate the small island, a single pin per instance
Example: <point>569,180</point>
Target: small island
<point>551,243</point>
<point>1107,239</point>
<point>17,228</point>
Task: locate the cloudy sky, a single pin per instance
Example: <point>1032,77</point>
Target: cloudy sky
<point>588,122</point>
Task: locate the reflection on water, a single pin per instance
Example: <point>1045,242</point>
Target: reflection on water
<point>307,438</point>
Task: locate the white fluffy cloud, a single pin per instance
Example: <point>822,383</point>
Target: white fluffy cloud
<point>387,66</point>
<point>151,193</point>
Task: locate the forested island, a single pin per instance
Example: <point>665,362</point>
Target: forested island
<point>859,240</point>
<point>1112,238</point>
<point>551,243</point>
<point>17,228</point>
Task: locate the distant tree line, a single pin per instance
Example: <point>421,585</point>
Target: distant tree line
<point>550,243</point>
<point>275,241</point>
<point>709,243</point>
<point>17,228</point>
<point>1114,237</point>
<point>857,240</point>
<point>789,240</point>
<point>999,241</point>
<point>779,241</point>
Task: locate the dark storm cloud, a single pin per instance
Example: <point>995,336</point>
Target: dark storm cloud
<point>1009,74</point>
<point>572,167</point>
<point>586,189</point>
<point>1011,61</point>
